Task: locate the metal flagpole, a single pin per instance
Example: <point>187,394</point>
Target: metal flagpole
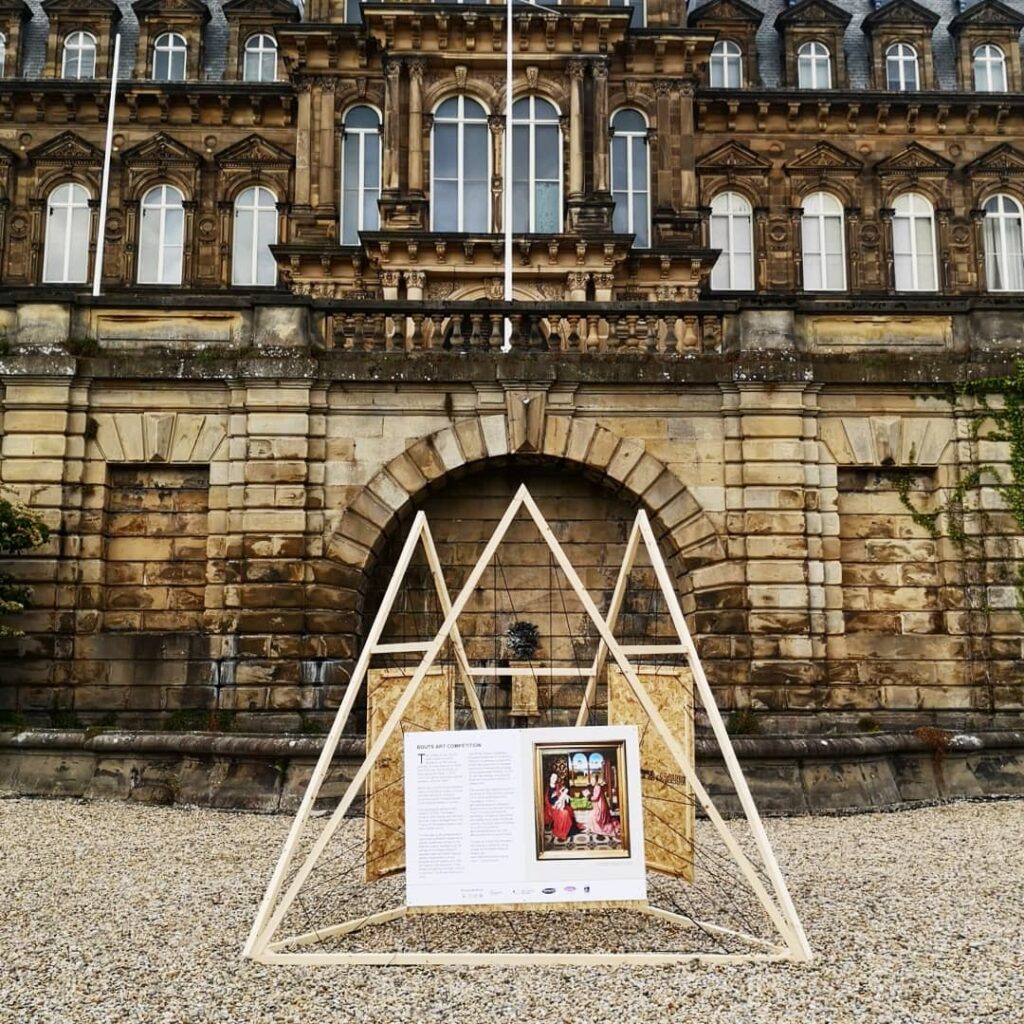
<point>507,173</point>
<point>97,276</point>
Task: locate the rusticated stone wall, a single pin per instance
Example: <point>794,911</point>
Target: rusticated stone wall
<point>223,528</point>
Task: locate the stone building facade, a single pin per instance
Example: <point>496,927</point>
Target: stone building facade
<point>755,243</point>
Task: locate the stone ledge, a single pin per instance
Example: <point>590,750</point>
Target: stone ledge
<point>787,775</point>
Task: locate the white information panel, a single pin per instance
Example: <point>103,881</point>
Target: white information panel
<point>523,816</point>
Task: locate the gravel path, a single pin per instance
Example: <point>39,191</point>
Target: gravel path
<point>124,914</point>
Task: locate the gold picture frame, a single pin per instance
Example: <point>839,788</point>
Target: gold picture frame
<point>582,768</point>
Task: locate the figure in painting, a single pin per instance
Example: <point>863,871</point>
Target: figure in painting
<point>557,810</point>
<point>601,822</point>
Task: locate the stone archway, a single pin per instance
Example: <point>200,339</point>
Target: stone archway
<point>711,587</point>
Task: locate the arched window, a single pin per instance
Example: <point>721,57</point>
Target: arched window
<point>630,178</point>
<point>79,55</point>
<point>252,262</point>
<point>162,236</point>
<point>732,231</point>
<point>913,244</point>
<point>360,174</point>
<point>461,167</point>
<point>824,247</point>
<point>901,68</point>
<point>989,69</point>
<point>814,66</point>
<point>536,166</point>
<point>726,65</point>
<point>1004,244</point>
<point>66,249</point>
<point>170,53</point>
<point>260,59</point>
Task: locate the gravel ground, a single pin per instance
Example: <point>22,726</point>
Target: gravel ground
<point>123,914</point>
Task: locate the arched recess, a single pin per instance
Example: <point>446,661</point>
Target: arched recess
<point>711,588</point>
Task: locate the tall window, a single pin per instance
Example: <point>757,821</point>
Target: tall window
<point>732,231</point>
<point>901,68</point>
<point>913,244</point>
<point>726,65</point>
<point>461,167</point>
<point>260,59</point>
<point>630,179</point>
<point>814,66</point>
<point>824,247</point>
<point>170,52</point>
<point>536,166</point>
<point>66,250</point>
<point>989,69</point>
<point>360,174</point>
<point>79,56</point>
<point>3,53</point>
<point>252,262</point>
<point>162,236</point>
<point>1004,244</point>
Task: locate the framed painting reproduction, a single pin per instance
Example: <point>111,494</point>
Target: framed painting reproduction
<point>581,801</point>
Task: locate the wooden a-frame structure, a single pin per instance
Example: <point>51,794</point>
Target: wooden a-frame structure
<point>777,904</point>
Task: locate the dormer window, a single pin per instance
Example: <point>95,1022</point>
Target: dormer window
<point>901,70</point>
<point>260,59</point>
<point>726,65</point>
<point>79,56</point>
<point>170,53</point>
<point>814,66</point>
<point>989,69</point>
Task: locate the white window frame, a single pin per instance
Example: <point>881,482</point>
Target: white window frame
<point>531,123</point>
<point>75,204</point>
<point>263,201</point>
<point>726,54</point>
<point>3,53</point>
<point>259,52</point>
<point>361,138</point>
<point>998,217</point>
<point>818,208</point>
<point>914,207</point>
<point>160,209</point>
<point>76,46</point>
<point>172,44</point>
<point>730,208</point>
<point>812,58</point>
<point>461,121</point>
<point>902,56</point>
<point>987,59</point>
<point>642,239</point>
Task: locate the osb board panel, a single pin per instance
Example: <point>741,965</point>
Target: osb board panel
<point>530,908</point>
<point>432,710</point>
<point>669,811</point>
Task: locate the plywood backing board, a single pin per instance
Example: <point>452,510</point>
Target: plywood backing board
<point>668,800</point>
<point>432,710</point>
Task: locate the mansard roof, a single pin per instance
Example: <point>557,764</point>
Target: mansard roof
<point>857,42</point>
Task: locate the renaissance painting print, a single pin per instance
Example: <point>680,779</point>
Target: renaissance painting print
<point>581,801</point>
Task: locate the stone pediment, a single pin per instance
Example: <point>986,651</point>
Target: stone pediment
<point>1002,162</point>
<point>915,159</point>
<point>900,14</point>
<point>733,158</point>
<point>96,8</point>
<point>18,8</point>
<point>987,15</point>
<point>67,148</point>
<point>275,10</point>
<point>824,158</point>
<point>188,8</point>
<point>160,150</point>
<point>254,151</point>
<point>813,12</point>
<point>726,10</point>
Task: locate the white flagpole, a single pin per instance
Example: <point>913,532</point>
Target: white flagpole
<point>101,229</point>
<point>507,173</point>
